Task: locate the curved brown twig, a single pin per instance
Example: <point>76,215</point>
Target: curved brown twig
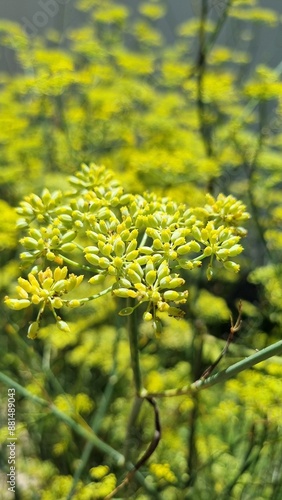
<point>148,453</point>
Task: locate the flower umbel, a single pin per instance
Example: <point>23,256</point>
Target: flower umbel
<point>44,289</point>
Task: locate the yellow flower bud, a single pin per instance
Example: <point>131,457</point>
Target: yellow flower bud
<point>57,303</point>
<point>157,244</point>
<point>125,293</point>
<point>17,304</point>
<point>35,299</point>
<point>147,316</point>
<point>74,303</point>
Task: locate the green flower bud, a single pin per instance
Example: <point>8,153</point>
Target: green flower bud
<point>151,277</point>
<point>104,262</point>
<point>172,255</point>
<point>33,330</point>
<point>132,255</point>
<point>118,262</point>
<point>141,260</point>
<point>134,277</point>
<point>209,273</point>
<point>92,236</point>
<point>222,254</point>
<point>27,256</point>
<point>146,250</point>
<point>231,266</point>
<point>35,233</point>
<point>195,247</point>
<point>171,295</point>
<point>63,326</point>
<point>207,251</point>
<point>157,244</point>
<point>65,218</point>
<point>176,282</point>
<point>107,249</point>
<point>131,246</point>
<point>98,278</point>
<point>155,296</point>
<point>55,241</point>
<point>196,233</point>
<point>183,249</point>
<point>204,235</point>
<point>149,266</point>
<point>164,282</point>
<point>125,235</point>
<point>60,286</point>
<point>92,259</point>
<point>29,243</point>
<point>46,196</point>
<point>179,241</point>
<point>163,270</point>
<point>165,235</point>
<point>68,247</point>
<point>134,266</point>
<point>47,283</point>
<point>235,250</point>
<point>230,242</point>
<point>152,233</point>
<point>91,249</point>
<point>123,282</point>
<point>186,264</point>
<point>119,247</point>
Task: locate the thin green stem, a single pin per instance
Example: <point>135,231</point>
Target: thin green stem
<point>80,429</point>
<point>98,417</point>
<point>244,364</point>
<point>134,350</point>
<point>76,264</point>
<point>91,297</point>
<point>253,103</point>
<point>230,372</point>
<point>136,407</point>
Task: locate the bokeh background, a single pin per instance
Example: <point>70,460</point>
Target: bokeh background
<point>179,98</point>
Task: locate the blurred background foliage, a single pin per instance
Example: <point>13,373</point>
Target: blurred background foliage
<point>180,119</point>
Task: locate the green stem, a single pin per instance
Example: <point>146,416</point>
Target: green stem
<point>91,297</point>
<point>244,364</point>
<point>134,350</point>
<point>230,372</point>
<point>253,103</point>
<point>98,417</point>
<point>77,427</point>
<point>76,264</point>
<point>131,426</point>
